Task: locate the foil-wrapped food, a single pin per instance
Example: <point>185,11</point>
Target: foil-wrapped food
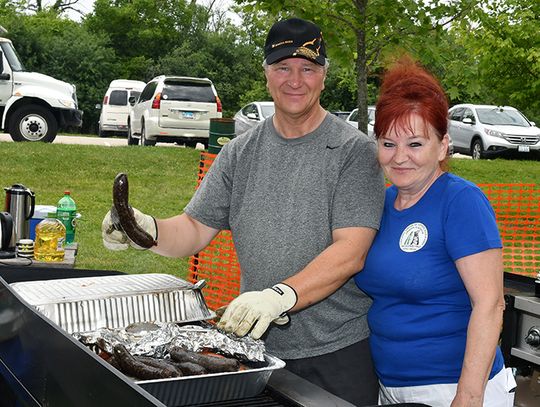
<point>155,351</point>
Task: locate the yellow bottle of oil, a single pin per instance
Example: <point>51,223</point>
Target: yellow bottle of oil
<point>50,239</point>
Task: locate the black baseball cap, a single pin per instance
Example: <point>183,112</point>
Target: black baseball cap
<point>294,38</point>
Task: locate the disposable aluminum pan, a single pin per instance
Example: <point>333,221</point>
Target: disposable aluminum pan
<point>210,388</point>
<point>89,303</point>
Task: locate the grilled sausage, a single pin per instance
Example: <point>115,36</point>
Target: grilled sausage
<point>166,365</point>
<point>185,368</point>
<point>212,364</point>
<point>190,368</point>
<point>122,214</point>
<point>133,367</point>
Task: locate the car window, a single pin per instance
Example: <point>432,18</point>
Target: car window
<point>135,94</point>
<point>148,92</point>
<point>118,98</point>
<point>500,116</point>
<point>188,91</point>
<point>456,114</point>
<point>468,114</point>
<point>354,116</point>
<point>267,111</point>
<point>251,108</point>
<point>371,115</point>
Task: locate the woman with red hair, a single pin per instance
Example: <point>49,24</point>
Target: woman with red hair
<point>435,269</point>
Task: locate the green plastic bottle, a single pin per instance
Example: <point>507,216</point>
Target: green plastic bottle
<point>66,212</point>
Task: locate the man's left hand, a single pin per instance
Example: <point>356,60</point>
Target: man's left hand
<point>257,309</point>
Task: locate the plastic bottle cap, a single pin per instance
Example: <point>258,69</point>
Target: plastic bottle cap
<point>66,192</point>
<point>26,241</point>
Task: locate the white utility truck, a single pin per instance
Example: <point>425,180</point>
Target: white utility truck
<point>33,106</point>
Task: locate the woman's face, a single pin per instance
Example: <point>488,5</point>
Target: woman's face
<point>410,155</point>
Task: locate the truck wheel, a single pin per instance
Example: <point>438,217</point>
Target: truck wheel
<point>33,123</point>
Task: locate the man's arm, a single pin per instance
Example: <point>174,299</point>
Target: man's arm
<point>255,310</point>
<point>182,236</point>
<point>327,272</point>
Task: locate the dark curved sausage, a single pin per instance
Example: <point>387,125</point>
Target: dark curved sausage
<point>212,364</point>
<point>122,214</point>
<point>185,368</point>
<point>135,368</point>
<point>166,365</point>
<point>190,368</point>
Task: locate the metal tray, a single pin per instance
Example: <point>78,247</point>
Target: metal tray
<point>210,388</point>
<point>87,304</point>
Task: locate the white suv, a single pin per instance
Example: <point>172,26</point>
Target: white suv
<point>174,109</point>
<point>353,119</point>
<point>483,130</point>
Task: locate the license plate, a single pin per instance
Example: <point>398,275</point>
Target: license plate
<point>523,149</point>
<point>188,115</point>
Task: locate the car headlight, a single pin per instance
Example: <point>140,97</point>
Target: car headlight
<point>494,133</point>
<point>67,103</point>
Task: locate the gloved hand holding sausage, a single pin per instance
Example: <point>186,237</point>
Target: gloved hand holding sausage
<point>255,310</point>
<point>114,236</point>
<point>123,225</point>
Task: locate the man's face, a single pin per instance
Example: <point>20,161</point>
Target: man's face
<point>295,85</point>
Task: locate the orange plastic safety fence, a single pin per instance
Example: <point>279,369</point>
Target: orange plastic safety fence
<point>517,207</point>
<point>217,263</point>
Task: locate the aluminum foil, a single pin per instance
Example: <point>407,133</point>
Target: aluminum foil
<point>153,339</point>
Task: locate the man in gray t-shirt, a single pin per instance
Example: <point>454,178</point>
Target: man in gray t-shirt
<point>302,194</point>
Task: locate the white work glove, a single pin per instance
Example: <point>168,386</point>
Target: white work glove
<point>258,309</point>
<point>114,238</point>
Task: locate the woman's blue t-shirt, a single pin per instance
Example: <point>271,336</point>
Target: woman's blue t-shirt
<point>421,308</point>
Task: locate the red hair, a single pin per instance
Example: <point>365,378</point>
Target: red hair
<point>408,88</point>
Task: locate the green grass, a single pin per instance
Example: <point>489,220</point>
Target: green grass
<point>162,180</point>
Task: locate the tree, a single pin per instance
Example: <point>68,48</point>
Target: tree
<point>65,50</point>
<point>57,6</point>
<point>360,34</point>
<point>221,56</point>
<point>506,46</point>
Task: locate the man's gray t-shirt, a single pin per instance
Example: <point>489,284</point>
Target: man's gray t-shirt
<point>282,198</point>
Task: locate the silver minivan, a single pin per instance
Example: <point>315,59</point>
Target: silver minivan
<point>115,107</point>
<point>174,109</point>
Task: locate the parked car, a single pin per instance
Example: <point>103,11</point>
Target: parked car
<point>341,114</point>
<point>115,107</point>
<point>484,130</point>
<point>353,119</point>
<point>174,109</point>
<point>252,114</point>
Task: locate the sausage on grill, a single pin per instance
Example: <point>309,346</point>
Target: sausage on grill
<point>138,369</point>
<point>213,364</point>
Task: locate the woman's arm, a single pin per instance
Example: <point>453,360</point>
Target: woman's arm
<point>482,274</point>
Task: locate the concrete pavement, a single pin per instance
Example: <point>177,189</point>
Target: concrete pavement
<point>96,141</point>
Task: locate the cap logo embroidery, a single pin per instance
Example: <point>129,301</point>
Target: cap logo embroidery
<point>307,52</point>
<point>282,43</point>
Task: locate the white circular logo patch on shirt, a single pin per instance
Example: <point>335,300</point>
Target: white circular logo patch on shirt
<point>413,238</point>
